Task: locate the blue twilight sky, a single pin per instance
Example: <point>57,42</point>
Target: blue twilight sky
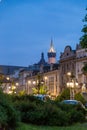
<point>26,28</point>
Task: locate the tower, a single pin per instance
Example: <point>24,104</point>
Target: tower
<point>51,54</point>
<point>42,62</point>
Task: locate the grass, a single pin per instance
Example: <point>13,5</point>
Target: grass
<point>23,126</point>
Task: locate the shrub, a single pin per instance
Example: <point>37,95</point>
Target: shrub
<point>79,97</point>
<point>41,114</point>
<point>3,117</point>
<point>52,113</point>
<point>76,116</point>
<point>8,115</point>
<point>64,95</point>
<point>75,112</point>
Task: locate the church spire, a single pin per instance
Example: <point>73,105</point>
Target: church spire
<point>51,54</point>
<point>51,47</point>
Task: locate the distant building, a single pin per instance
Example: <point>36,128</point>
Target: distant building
<point>10,76</point>
<point>8,69</point>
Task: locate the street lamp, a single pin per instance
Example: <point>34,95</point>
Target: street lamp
<point>72,85</point>
<point>45,79</point>
<point>8,78</point>
<point>29,87</point>
<point>34,82</point>
<point>84,88</point>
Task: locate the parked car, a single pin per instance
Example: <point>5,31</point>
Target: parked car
<point>73,102</point>
<point>42,97</point>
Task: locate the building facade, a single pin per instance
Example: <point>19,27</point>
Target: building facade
<point>50,73</point>
<point>54,74</point>
<point>67,64</point>
<point>50,79</point>
<point>81,60</point>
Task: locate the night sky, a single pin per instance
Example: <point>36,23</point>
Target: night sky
<point>27,26</point>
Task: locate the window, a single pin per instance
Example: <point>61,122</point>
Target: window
<point>51,84</point>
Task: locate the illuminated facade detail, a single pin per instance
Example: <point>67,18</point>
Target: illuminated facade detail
<point>51,80</point>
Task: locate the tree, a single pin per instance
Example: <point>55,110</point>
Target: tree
<point>83,39</point>
<point>21,93</point>
<point>80,97</point>
<point>64,95</point>
<point>40,87</point>
<point>4,82</point>
<point>1,79</point>
<point>9,116</point>
<point>84,69</point>
<point>42,90</point>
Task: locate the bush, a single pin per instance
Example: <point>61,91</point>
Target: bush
<point>8,115</point>
<point>79,97</point>
<point>76,116</point>
<point>3,117</point>
<point>43,115</point>
<point>64,95</point>
<point>26,98</point>
<point>54,115</point>
<point>37,112</point>
<point>75,112</point>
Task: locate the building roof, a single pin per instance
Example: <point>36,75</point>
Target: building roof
<point>42,60</point>
<point>7,70</point>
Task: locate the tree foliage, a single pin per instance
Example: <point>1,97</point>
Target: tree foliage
<point>22,92</point>
<point>84,69</point>
<point>40,87</point>
<point>42,90</point>
<point>64,95</point>
<point>79,97</point>
<point>50,113</point>
<point>9,117</point>
<point>83,39</point>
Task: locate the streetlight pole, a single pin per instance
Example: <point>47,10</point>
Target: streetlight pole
<point>29,86</point>
<point>72,85</point>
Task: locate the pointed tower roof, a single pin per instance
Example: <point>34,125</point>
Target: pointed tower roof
<point>51,47</point>
<point>42,60</point>
<point>51,54</point>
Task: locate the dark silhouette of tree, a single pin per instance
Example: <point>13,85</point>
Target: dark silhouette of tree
<point>83,39</point>
<point>83,42</point>
<point>84,69</point>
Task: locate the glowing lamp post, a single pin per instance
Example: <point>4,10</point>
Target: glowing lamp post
<point>72,85</point>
